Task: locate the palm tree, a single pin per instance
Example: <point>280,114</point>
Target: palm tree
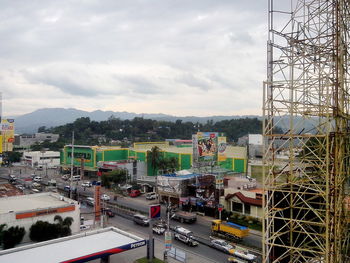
<point>64,225</point>
<point>153,157</point>
<point>12,236</point>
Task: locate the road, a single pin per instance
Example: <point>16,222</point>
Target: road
<point>201,228</point>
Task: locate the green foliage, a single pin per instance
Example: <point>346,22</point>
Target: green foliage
<point>153,157</point>
<point>12,236</point>
<point>2,228</point>
<point>42,230</point>
<point>114,177</point>
<point>248,221</point>
<point>140,129</point>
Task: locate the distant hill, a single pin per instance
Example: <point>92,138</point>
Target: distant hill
<point>52,117</point>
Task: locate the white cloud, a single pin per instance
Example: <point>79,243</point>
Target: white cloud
<point>202,57</point>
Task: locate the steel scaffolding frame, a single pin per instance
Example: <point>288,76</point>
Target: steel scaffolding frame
<point>306,128</point>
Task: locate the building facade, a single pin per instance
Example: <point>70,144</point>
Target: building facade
<point>25,210</point>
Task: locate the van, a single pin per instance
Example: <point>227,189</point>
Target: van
<point>151,196</point>
<point>141,220</point>
<point>76,178</point>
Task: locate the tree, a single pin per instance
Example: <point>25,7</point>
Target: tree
<point>64,225</point>
<point>2,228</point>
<point>42,230</point>
<point>154,158</point>
<point>12,236</point>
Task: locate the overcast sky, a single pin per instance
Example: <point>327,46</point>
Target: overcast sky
<point>179,57</point>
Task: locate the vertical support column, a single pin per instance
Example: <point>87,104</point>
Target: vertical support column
<point>105,259</point>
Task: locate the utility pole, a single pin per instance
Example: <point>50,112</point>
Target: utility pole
<point>71,167</point>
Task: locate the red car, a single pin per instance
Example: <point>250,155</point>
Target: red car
<point>134,193</point>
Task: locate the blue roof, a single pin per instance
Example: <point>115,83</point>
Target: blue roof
<point>181,176</point>
<point>237,226</point>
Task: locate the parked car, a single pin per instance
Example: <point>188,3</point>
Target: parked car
<point>184,235</point>
<point>20,187</point>
<point>12,177</point>
<point>86,184</point>
<point>67,188</point>
<point>141,220</point>
<point>84,227</point>
<point>108,212</point>
<point>37,179</point>
<point>222,245</point>
<point>36,185</point>
<point>151,196</point>
<point>134,193</point>
<point>105,197</point>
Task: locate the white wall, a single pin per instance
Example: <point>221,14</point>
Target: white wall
<point>10,220</point>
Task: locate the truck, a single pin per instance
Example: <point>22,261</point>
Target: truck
<point>183,216</point>
<point>229,230</point>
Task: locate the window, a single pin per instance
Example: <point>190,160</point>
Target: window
<point>247,209</point>
<point>237,207</point>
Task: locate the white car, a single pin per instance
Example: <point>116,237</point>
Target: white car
<point>151,196</point>
<point>37,179</point>
<point>86,184</point>
<point>222,245</point>
<point>35,185</point>
<point>105,197</point>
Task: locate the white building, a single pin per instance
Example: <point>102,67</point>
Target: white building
<point>42,158</point>
<point>25,210</point>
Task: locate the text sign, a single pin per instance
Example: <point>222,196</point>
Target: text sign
<point>154,211</point>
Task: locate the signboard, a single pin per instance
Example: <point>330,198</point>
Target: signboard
<point>168,243</point>
<point>222,149</point>
<point>207,143</point>
<point>154,211</point>
<point>220,207</point>
<point>97,205</point>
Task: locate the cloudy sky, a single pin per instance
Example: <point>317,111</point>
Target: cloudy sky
<point>179,57</point>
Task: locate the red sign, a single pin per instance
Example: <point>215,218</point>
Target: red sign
<point>220,209</point>
<point>154,211</point>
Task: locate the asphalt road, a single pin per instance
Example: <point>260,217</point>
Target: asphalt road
<point>201,228</point>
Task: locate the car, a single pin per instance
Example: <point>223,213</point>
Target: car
<point>108,212</point>
<point>159,227</point>
<point>134,193</point>
<point>20,187</point>
<point>76,178</point>
<point>36,185</point>
<point>222,245</point>
<point>86,184</point>
<point>37,179</point>
<point>84,227</point>
<point>151,196</point>
<point>12,177</point>
<point>105,197</point>
<point>66,188</point>
<point>90,201</point>
<point>65,177</point>
<point>141,220</point>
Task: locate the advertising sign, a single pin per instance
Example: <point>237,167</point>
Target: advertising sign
<point>168,243</point>
<point>154,211</point>
<point>8,134</point>
<point>97,205</point>
<point>205,147</point>
<point>222,149</point>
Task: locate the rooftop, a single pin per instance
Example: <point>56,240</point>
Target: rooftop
<point>32,202</point>
<point>77,248</point>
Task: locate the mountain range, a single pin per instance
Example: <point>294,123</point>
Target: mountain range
<point>51,117</point>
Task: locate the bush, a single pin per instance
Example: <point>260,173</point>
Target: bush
<point>12,236</point>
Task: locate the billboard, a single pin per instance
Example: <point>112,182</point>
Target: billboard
<point>97,205</point>
<point>8,134</point>
<point>222,149</point>
<point>207,146</point>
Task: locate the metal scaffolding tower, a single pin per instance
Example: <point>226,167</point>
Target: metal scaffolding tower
<point>307,132</point>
